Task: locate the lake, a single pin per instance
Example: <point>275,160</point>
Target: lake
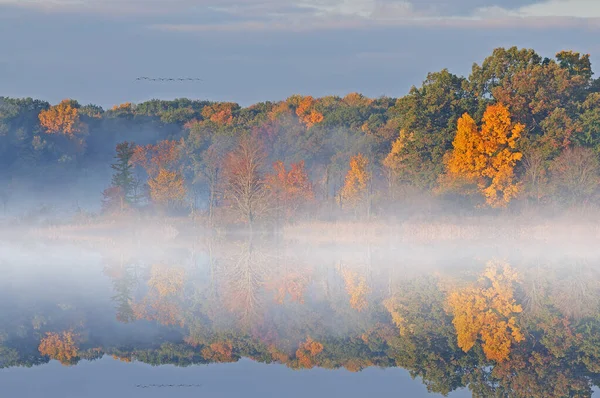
<point>228,318</point>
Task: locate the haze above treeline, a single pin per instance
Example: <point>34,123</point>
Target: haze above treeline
<point>521,132</point>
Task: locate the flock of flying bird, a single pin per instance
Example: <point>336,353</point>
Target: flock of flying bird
<point>169,79</point>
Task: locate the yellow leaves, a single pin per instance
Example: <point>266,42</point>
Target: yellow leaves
<point>167,187</point>
<point>487,311</point>
<point>59,346</point>
<point>487,156</point>
<point>62,118</point>
<point>167,281</point>
<point>357,288</point>
<point>357,180</point>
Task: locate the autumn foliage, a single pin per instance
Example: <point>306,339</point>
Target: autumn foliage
<point>307,113</point>
<point>61,119</point>
<point>356,185</point>
<point>356,287</point>
<point>487,157</point>
<point>487,312</point>
<point>291,188</point>
<point>59,346</point>
<point>307,352</point>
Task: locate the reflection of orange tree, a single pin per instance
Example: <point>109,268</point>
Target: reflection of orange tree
<point>293,283</point>
<point>60,346</point>
<point>307,352</point>
<point>220,351</point>
<point>241,280</point>
<point>488,311</point>
<point>161,303</point>
<point>356,286</point>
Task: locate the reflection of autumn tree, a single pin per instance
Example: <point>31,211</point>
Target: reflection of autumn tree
<point>162,303</point>
<point>286,281</point>
<point>356,286</point>
<point>221,351</point>
<point>576,290</point>
<point>426,344</point>
<point>60,346</point>
<point>307,353</point>
<point>241,278</point>
<point>167,281</point>
<point>488,312</point>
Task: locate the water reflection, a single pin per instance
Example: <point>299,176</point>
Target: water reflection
<point>518,324</point>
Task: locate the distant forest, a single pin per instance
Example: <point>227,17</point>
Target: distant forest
<point>521,131</point>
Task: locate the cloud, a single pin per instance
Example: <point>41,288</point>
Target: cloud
<point>563,8</point>
<point>302,15</point>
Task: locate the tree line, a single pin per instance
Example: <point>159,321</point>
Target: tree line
<point>520,131</point>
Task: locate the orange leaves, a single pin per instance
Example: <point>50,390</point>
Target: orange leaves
<point>306,112</point>
<point>290,188</point>
<point>221,113</point>
<point>487,156</point>
<point>62,118</point>
<point>163,155</point>
<point>487,311</point>
<point>127,106</point>
<point>357,180</point>
<point>162,303</point>
<point>281,108</point>
<point>293,283</point>
<point>307,352</point>
<point>59,346</point>
<point>219,352</point>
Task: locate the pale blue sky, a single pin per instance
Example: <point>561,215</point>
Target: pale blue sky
<point>255,50</point>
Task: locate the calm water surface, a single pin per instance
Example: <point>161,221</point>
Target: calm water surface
<point>228,319</point>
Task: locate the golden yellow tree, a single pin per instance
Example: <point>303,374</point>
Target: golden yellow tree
<point>167,188</point>
<point>356,186</point>
<point>487,311</point>
<point>59,346</point>
<point>357,287</point>
<point>487,156</point>
<point>62,118</point>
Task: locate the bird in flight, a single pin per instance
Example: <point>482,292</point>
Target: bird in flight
<point>169,79</point>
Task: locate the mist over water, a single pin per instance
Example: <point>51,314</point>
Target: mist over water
<point>482,319</point>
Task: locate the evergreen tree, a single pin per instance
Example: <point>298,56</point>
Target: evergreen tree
<point>123,177</point>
